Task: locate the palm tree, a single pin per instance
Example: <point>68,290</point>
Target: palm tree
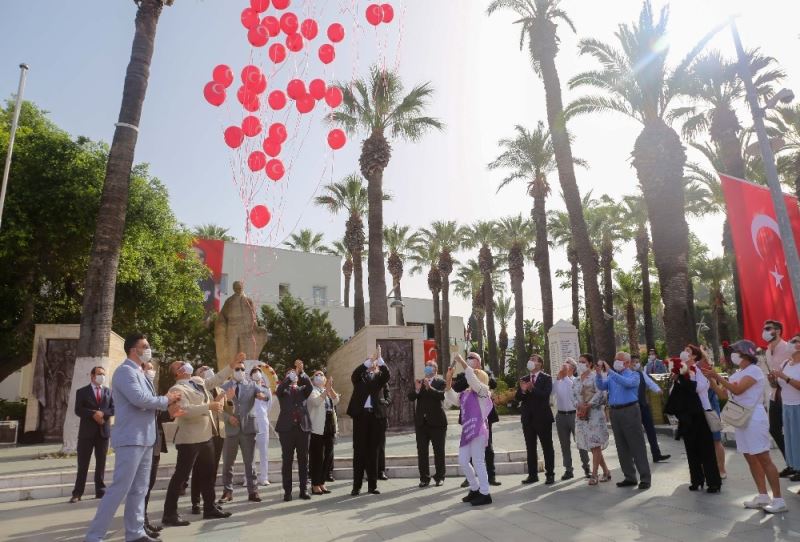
<point>338,248</point>
<point>447,236</point>
<point>539,21</point>
<point>378,108</point>
<point>350,195</point>
<point>212,231</point>
<point>561,233</point>
<point>307,241</point>
<point>715,272</point>
<point>483,235</point>
<point>504,312</point>
<point>636,82</point>
<point>636,213</point>
<point>788,125</point>
<point>468,284</point>
<point>628,293</point>
<point>516,235</point>
<point>399,245</point>
<point>425,256</point>
<point>101,276</point>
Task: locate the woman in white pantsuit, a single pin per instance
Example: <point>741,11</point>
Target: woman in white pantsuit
<point>261,410</point>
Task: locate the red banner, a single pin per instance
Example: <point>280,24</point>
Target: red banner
<point>760,260</point>
<point>429,345</point>
<point>210,252</point>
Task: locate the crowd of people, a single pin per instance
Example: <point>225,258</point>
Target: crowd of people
<point>218,414</point>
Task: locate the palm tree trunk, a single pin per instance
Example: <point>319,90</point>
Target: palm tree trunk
<point>437,328</point>
<point>378,307</point>
<point>715,340</point>
<point>643,257</point>
<point>348,275</point>
<point>566,175</point>
<point>659,160</point>
<point>730,254</point>
<point>491,337</point>
<point>101,277</point>
<point>633,333</point>
<point>358,292</point>
<point>445,346</point>
<point>692,324</point>
<point>517,276</point>
<point>503,347</point>
<point>576,287</point>
<point>398,311</point>
<point>606,264</point>
<point>590,336</point>
<point>541,259</point>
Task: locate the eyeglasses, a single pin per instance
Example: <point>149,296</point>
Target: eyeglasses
<point>471,357</point>
<point>795,341</point>
<point>239,370</point>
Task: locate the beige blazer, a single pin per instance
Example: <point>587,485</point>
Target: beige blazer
<point>198,424</point>
<point>316,410</point>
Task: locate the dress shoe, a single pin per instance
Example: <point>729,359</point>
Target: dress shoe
<point>227,496</point>
<point>567,476</point>
<point>644,485</point>
<point>425,483</point>
<point>151,533</point>
<point>713,489</point>
<point>438,482</point>
<point>661,458</point>
<point>787,472</point>
<point>196,509</point>
<point>481,500</point>
<point>382,476</point>
<point>305,496</point>
<point>550,480</point>
<point>530,480</point>
<point>99,495</point>
<point>465,483</point>
<point>494,482</point>
<point>587,473</point>
<point>695,487</point>
<point>330,479</point>
<point>355,492</point>
<point>793,478</point>
<point>626,483</point>
<point>471,495</point>
<point>147,539</point>
<point>326,491</point>
<point>154,528</point>
<point>73,500</point>
<point>216,513</point>
<point>174,521</point>
<point>375,491</point>
<point>287,497</point>
<point>254,497</point>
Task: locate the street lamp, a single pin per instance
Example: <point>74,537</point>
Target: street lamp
<point>23,71</point>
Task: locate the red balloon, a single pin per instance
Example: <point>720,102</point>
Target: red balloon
<point>272,25</point>
<point>259,5</point>
<point>214,93</point>
<point>294,42</point>
<point>256,161</point>
<point>317,89</point>
<point>249,18</point>
<point>388,13</point>
<point>334,97</point>
<point>296,89</point>
<point>280,4</point>
<point>245,95</point>
<point>336,139</point>
<point>309,29</point>
<point>272,148</point>
<point>289,23</point>
<point>234,136</point>
<point>305,104</point>
<point>277,100</point>
<point>251,126</point>
<point>258,36</point>
<point>260,216</point>
<point>277,132</point>
<point>275,169</point>
<point>277,53</point>
<point>254,79</point>
<point>327,53</point>
<point>223,75</point>
<point>374,14</point>
<point>253,105</point>
<point>336,32</point>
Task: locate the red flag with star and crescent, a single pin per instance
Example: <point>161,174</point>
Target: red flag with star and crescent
<point>763,276</point>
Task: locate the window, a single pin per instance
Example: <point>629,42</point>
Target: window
<point>283,290</point>
<point>320,295</point>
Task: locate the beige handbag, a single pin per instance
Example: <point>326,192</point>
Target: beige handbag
<point>713,420</point>
<point>735,414</point>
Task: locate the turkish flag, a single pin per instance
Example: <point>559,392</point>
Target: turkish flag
<point>763,275</point>
<point>429,345</point>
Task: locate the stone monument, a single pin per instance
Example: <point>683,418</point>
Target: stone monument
<point>236,329</point>
<point>563,339</point>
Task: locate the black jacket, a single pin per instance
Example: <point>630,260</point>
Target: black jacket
<point>534,405</point>
<point>293,404</point>
<point>684,403</point>
<point>430,404</point>
<point>460,384</point>
<point>85,407</point>
<point>363,387</point>
<point>160,447</point>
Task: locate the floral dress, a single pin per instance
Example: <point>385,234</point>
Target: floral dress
<point>591,433</point>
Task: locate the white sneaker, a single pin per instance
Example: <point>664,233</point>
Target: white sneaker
<point>264,483</point>
<point>758,503</point>
<point>777,506</point>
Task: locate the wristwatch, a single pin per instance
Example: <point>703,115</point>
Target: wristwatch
<point>788,379</point>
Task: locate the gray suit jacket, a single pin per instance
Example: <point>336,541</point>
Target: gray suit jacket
<point>135,403</point>
<point>242,407</point>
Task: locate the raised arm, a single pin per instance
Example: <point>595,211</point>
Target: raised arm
<point>474,384</point>
<point>304,384</point>
<point>628,380</point>
<point>218,379</point>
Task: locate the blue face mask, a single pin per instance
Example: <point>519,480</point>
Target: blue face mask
<point>429,371</point>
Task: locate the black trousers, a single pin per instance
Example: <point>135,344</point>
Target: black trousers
<point>367,434</point>
<point>700,452</point>
<point>489,455</point>
<point>86,446</point>
<point>202,454</point>
<point>776,425</point>
<point>382,446</point>
<point>294,440</point>
<point>218,442</point>
<point>427,435</point>
<point>320,458</point>
<point>153,476</point>
<point>543,432</point>
<point>650,430</point>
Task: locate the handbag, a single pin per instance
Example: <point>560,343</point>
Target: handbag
<point>583,412</point>
<point>713,420</point>
<point>735,414</point>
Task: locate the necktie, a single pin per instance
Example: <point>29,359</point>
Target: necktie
<point>98,395</point>
<point>237,390</point>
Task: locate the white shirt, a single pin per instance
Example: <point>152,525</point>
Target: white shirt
<point>790,394</point>
<point>368,402</point>
<point>755,393</point>
<point>565,401</point>
<point>777,356</point>
<point>702,388</point>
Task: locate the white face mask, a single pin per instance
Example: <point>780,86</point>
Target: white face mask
<point>187,369</point>
<point>651,357</point>
<point>319,381</point>
<point>209,374</point>
<point>238,376</point>
<point>293,377</point>
<point>736,359</point>
<point>150,374</point>
<point>531,365</point>
<point>146,356</point>
<point>637,366</point>
<point>472,362</point>
<point>582,368</point>
<point>684,356</point>
<point>619,365</point>
<point>100,379</point>
<point>767,336</point>
<point>369,363</point>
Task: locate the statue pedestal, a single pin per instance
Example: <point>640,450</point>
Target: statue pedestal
<point>563,339</point>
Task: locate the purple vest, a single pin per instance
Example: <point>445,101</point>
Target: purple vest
<point>473,422</point>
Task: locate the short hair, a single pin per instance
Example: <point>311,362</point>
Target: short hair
<point>636,356</point>
<point>774,323</point>
<point>653,350</point>
<point>433,362</point>
<point>94,369</point>
<point>474,354</point>
<point>696,352</point>
<point>537,357</point>
<point>624,356</point>
<point>132,340</point>
<point>200,369</point>
<point>589,358</point>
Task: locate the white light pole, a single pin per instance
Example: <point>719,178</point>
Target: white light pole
<point>23,71</point>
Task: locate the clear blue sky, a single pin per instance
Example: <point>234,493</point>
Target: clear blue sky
<point>78,52</point>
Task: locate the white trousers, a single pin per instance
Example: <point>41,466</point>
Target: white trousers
<point>262,445</point>
<point>475,472</point>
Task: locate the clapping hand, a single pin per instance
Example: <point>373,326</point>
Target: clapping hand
<point>233,421</point>
<point>449,377</point>
<point>417,385</point>
<point>461,361</point>
<point>710,373</point>
<point>526,385</point>
<point>98,417</point>
<point>298,366</point>
<point>173,397</point>
<point>175,410</point>
<point>214,406</point>
<point>230,392</point>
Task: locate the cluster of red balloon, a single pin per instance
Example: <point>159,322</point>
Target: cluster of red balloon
<point>379,13</point>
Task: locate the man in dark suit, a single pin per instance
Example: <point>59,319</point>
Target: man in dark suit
<point>294,428</point>
<point>368,412</point>
<point>387,401</point>
<point>94,406</point>
<point>533,395</point>
<point>430,424</point>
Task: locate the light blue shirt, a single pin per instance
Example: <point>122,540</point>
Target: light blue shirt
<point>623,388</point>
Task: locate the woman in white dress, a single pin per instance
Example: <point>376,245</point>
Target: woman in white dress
<point>746,388</point>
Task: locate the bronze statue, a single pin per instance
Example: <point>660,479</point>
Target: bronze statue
<point>236,329</point>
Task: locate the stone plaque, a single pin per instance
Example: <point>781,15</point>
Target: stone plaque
<point>563,338</point>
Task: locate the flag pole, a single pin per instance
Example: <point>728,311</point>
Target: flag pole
<point>23,70</point>
<point>784,225</point>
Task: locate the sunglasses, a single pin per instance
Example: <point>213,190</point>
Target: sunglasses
<point>769,328</point>
<point>795,341</point>
<point>239,370</point>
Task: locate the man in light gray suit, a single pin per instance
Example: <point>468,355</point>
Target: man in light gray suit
<point>240,431</point>
<point>132,438</point>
